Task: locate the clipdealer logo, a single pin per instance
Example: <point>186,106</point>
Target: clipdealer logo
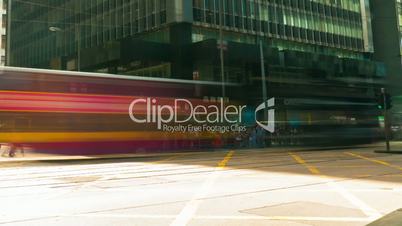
<point>197,118</point>
<point>269,104</point>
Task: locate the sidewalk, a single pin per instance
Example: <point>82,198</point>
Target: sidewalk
<point>395,148</point>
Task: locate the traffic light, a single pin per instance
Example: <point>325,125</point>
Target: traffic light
<point>380,101</point>
<point>388,101</point>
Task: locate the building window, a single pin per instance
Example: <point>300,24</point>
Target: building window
<point>3,41</point>
<point>4,21</point>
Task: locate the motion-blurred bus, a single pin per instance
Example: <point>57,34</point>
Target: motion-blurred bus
<point>88,113</point>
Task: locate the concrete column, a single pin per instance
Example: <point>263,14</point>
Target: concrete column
<point>367,28</point>
<point>180,11</point>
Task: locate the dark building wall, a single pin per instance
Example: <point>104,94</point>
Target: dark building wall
<point>164,36</point>
<point>181,44</point>
<point>387,41</point>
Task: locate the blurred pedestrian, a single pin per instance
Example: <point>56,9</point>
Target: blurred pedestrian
<point>260,133</point>
<point>253,138</point>
<point>238,140</point>
<point>8,151</point>
<point>14,148</point>
<point>3,154</point>
<point>11,152</point>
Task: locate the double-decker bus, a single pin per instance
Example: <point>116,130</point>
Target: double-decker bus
<point>88,113</point>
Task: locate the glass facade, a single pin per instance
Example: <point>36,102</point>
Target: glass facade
<point>335,23</point>
<point>56,34</point>
<point>399,11</point>
<point>94,22</point>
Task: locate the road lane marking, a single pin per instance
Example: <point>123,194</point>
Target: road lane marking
<point>223,163</point>
<point>301,161</point>
<point>365,208</point>
<point>373,160</point>
<point>188,212</point>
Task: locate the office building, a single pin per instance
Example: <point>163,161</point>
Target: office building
<point>318,50</point>
<point>3,31</point>
<point>110,30</point>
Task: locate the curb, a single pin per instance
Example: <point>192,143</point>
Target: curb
<point>83,158</point>
<point>388,152</point>
<point>65,158</point>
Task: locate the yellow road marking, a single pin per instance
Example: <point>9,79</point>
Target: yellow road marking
<point>373,160</point>
<point>223,163</point>
<point>301,161</point>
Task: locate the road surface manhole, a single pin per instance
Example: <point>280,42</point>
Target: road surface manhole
<point>392,219</point>
<point>80,179</point>
<point>304,209</point>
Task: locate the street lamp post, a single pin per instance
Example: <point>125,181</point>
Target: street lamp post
<point>8,35</point>
<point>259,41</point>
<point>386,119</point>
<point>263,77</point>
<point>78,30</point>
<point>221,49</point>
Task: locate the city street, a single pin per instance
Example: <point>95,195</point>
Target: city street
<point>201,113</point>
<point>230,187</point>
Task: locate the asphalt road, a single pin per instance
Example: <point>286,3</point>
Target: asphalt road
<point>233,187</point>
